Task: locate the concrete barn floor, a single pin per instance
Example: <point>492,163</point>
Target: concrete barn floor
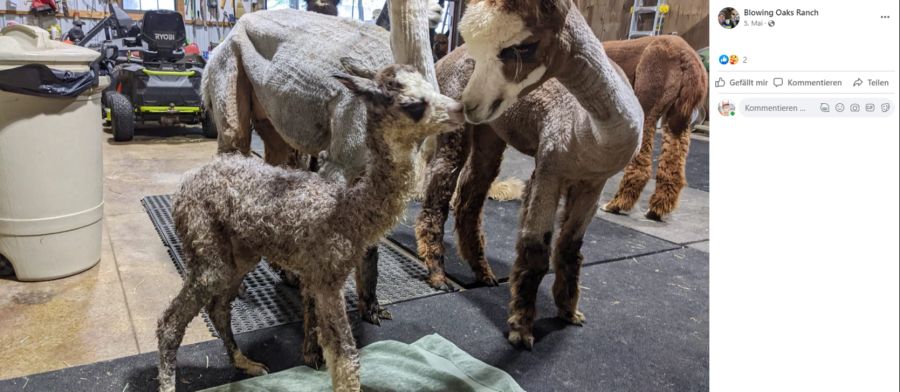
<point>110,311</point>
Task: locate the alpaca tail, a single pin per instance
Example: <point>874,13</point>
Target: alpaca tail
<point>506,190</point>
<point>693,91</point>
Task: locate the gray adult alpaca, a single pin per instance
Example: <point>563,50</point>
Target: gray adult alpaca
<point>236,209</point>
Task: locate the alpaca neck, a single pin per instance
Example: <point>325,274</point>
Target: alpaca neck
<point>410,41</point>
<point>591,78</point>
<point>373,202</point>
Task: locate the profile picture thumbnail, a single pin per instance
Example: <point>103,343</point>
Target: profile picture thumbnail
<point>727,108</point>
<point>729,18</point>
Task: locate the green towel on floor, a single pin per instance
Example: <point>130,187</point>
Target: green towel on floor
<point>432,363</point>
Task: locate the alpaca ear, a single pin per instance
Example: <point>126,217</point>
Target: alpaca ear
<point>555,10</point>
<point>357,68</point>
<point>362,87</point>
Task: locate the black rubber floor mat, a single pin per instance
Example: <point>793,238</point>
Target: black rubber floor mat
<point>604,241</point>
<point>647,329</point>
<point>270,302</point>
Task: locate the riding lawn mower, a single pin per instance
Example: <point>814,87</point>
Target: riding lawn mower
<point>155,83</point>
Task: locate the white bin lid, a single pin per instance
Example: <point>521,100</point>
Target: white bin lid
<point>21,44</point>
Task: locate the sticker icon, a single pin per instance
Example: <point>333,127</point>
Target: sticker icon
<point>885,107</point>
<point>723,59</point>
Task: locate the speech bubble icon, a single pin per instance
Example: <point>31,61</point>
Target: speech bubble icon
<point>778,82</point>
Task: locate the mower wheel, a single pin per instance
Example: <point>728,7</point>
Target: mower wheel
<point>209,127</point>
<point>122,116</point>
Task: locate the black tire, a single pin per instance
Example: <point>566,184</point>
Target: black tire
<point>103,109</point>
<point>209,127</point>
<point>122,115</point>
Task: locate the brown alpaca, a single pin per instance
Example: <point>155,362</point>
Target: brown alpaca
<point>327,7</point>
<point>233,211</point>
<point>582,128</point>
<point>670,82</point>
<point>526,120</point>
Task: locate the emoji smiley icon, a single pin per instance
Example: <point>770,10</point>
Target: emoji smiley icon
<point>733,59</point>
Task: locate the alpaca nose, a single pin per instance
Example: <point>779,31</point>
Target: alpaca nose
<point>471,112</point>
<point>455,110</point>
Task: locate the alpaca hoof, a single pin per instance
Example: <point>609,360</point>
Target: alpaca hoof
<point>521,339</point>
<point>375,314</point>
<point>611,208</point>
<point>314,360</point>
<point>242,291</point>
<point>574,318</point>
<point>440,283</point>
<point>487,279</point>
<point>250,367</point>
<point>654,216</point>
<point>167,388</point>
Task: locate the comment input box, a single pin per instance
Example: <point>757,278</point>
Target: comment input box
<point>815,107</point>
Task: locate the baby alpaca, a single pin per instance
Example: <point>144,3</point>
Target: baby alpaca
<point>236,209</point>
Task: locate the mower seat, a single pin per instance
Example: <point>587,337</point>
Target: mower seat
<point>164,33</point>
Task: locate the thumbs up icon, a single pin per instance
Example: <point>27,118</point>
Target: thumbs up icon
<point>720,82</point>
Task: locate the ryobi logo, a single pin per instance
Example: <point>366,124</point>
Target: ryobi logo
<point>164,36</point>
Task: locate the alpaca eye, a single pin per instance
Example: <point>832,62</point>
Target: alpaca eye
<point>415,110</point>
<point>523,51</point>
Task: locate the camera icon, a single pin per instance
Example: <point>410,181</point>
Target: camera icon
<point>854,107</point>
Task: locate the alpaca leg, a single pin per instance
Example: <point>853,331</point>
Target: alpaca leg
<point>366,282</point>
<point>476,177</point>
<point>670,178</point>
<point>637,173</point>
<point>277,151</point>
<point>533,247</point>
<point>336,337</point>
<point>232,114</point>
<point>580,206</point>
<point>312,352</point>
<point>219,310</point>
<point>220,314</point>
<point>442,173</point>
<point>184,307</point>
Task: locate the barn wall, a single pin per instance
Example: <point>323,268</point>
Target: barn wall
<point>610,19</point>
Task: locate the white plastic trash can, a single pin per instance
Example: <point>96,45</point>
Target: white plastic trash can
<point>51,164</point>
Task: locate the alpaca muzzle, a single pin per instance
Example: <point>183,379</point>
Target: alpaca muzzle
<point>455,114</point>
